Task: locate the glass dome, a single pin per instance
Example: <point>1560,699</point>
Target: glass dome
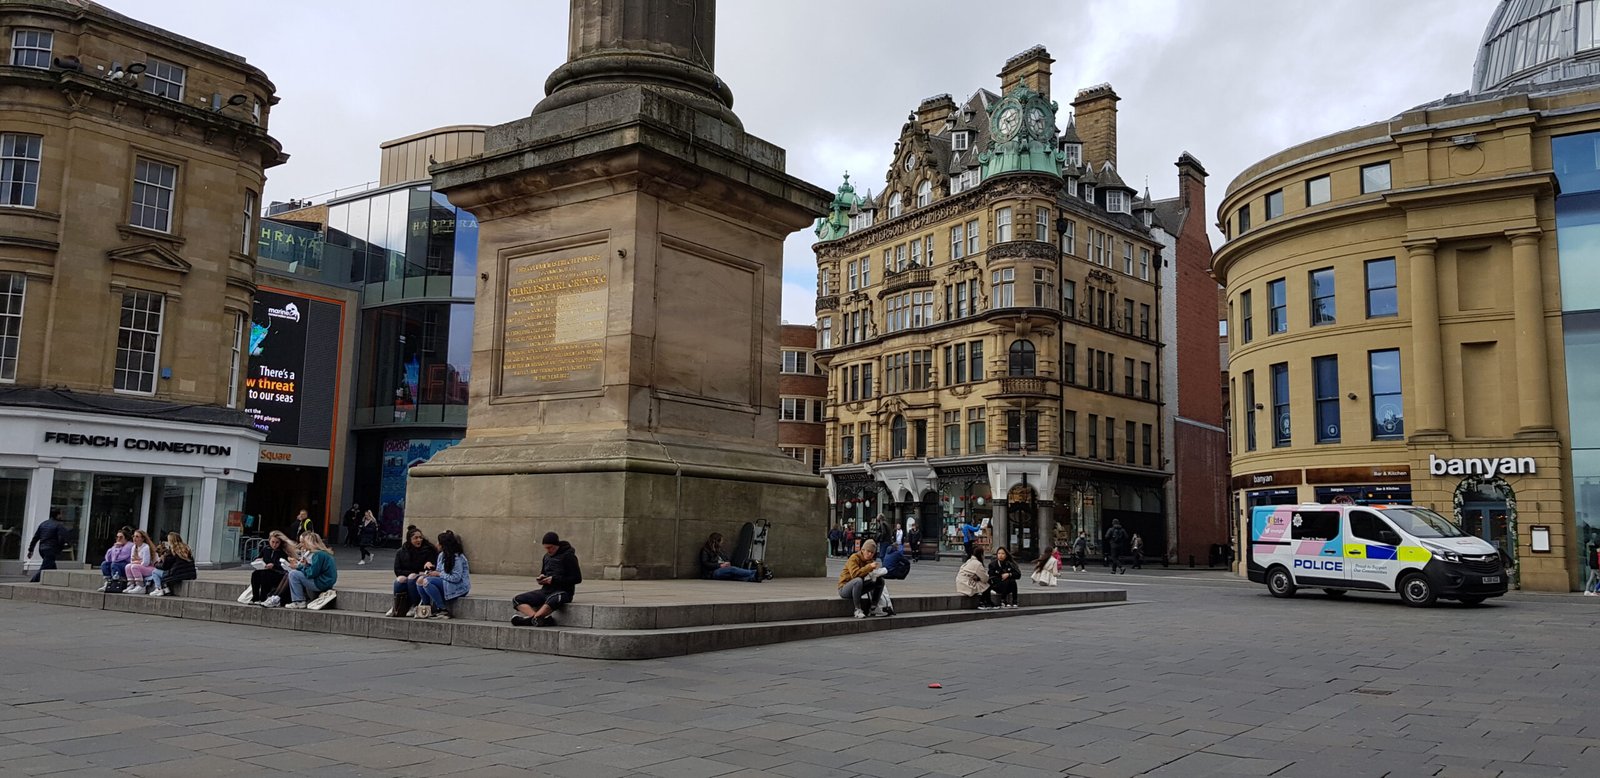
<point>1538,41</point>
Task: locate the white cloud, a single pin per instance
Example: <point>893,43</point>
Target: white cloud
<point>799,304</point>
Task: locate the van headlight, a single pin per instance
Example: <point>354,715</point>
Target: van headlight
<point>1443,554</point>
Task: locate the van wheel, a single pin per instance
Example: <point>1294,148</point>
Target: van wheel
<point>1417,591</point>
<point>1279,583</point>
<point>1470,600</point>
<point>1336,592</point>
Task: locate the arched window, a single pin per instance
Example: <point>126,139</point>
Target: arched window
<point>924,194</point>
<point>897,437</point>
<point>894,205</point>
<point>1023,358</point>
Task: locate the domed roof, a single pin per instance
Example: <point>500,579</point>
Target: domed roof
<point>1537,41</point>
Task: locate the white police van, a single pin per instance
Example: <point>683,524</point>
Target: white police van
<point>1380,548</point>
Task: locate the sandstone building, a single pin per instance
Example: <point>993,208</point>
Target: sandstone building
<point>131,166</point>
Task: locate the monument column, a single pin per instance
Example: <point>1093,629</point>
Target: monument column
<point>625,343</point>
<point>1427,362</point>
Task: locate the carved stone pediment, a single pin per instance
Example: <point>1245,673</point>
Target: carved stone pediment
<point>150,255</point>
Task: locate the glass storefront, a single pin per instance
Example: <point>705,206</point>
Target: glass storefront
<point>13,512</point>
<point>175,507</point>
<point>416,364</point>
<point>1576,159</point>
<point>404,244</point>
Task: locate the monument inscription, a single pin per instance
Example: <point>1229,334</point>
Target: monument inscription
<point>555,324</point>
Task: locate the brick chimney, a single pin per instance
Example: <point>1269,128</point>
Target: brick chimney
<point>1191,184</point>
<point>1031,67</point>
<point>1096,111</point>
<point>933,111</point>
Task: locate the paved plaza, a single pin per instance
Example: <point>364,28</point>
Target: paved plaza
<point>1202,677</point>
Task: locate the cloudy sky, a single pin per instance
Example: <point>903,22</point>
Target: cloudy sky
<point>831,81</point>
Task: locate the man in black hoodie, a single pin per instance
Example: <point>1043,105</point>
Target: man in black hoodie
<point>559,576</point>
<point>50,538</point>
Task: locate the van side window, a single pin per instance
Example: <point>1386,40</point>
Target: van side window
<point>1314,525</point>
<point>1369,526</point>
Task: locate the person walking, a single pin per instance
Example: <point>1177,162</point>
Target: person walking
<point>445,581</point>
<point>559,576</point>
<point>849,542</point>
<point>972,580</point>
<point>914,539</point>
<point>860,583</point>
<point>352,524</point>
<point>48,540</point>
<point>1116,540</point>
<point>367,536</point>
<point>1080,550</point>
<point>835,537</point>
<point>1003,575</point>
<point>1138,552</point>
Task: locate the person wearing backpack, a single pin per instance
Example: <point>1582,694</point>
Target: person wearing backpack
<point>1116,541</point>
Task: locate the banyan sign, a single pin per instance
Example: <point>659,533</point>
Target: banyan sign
<point>1488,467</point>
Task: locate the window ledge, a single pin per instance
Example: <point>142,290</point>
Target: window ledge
<point>131,231</point>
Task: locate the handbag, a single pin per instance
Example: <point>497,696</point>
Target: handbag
<point>117,586</point>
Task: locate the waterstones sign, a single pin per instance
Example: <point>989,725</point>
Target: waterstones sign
<point>1488,467</point>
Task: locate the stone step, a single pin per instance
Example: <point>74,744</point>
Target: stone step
<point>565,640</point>
<point>632,617</point>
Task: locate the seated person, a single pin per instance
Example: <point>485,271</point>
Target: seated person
<point>715,566</point>
<point>176,565</point>
<point>265,581</point>
<point>116,561</point>
<point>414,558</point>
<point>897,561</point>
<point>559,576</point>
<point>445,581</point>
<point>311,581</point>
<point>861,581</point>
<point>972,580</point>
<point>1003,575</point>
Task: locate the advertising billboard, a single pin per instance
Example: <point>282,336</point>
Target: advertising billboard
<point>293,369</point>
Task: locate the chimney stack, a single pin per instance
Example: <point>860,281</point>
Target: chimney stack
<point>1191,183</point>
<point>1031,67</point>
<point>1096,111</point>
<point>933,111</point>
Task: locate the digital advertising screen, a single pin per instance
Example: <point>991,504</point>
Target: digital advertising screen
<point>293,368</point>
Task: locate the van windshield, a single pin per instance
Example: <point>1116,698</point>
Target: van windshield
<point>1423,523</point>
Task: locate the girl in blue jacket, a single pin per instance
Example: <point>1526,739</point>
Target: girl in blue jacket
<point>447,579</point>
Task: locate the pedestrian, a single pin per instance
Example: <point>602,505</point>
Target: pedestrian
<point>410,562</point>
<point>835,537</point>
<point>1003,575</point>
<point>352,524</point>
<point>882,532</point>
<point>1080,550</point>
<point>367,536</point>
<point>141,562</point>
<point>969,533</point>
<point>445,581</point>
<point>1116,539</point>
<point>1046,567</point>
<point>714,565</point>
<point>972,580</point>
<point>302,523</point>
<point>1591,587</point>
<point>116,561</point>
<point>860,583</point>
<point>176,565</point>
<point>559,576</point>
<point>1138,552</point>
<point>849,541</point>
<point>267,579</point>
<point>48,540</point>
<point>311,582</point>
<point>914,540</point>
<point>899,534</point>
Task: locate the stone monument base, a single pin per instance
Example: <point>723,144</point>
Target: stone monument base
<point>651,503</point>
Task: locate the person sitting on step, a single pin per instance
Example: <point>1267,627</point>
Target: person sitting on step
<point>447,580</point>
<point>141,562</point>
<point>116,561</point>
<point>1003,575</point>
<point>264,582</point>
<point>897,561</point>
<point>176,566</point>
<point>311,582</point>
<point>559,576</point>
<point>414,558</point>
<point>972,580</point>
<point>861,581</point>
<point>714,565</point>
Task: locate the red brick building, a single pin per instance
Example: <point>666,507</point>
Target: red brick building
<point>802,390</point>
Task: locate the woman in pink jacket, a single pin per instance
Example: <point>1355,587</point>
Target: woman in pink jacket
<point>141,562</point>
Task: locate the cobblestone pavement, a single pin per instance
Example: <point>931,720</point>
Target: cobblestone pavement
<point>1204,677</point>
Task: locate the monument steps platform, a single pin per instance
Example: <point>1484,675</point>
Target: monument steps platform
<point>594,631</point>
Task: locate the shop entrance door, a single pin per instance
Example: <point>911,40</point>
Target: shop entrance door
<point>1487,520</point>
<point>113,504</point>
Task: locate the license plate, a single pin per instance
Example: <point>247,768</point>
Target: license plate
<point>1491,579</point>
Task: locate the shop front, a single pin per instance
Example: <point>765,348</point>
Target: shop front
<point>109,472</point>
<point>1089,501</point>
<point>964,497</point>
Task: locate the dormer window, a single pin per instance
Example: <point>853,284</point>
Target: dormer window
<point>895,205</point>
<point>1116,201</point>
<point>1088,192</point>
<point>924,194</point>
<point>164,79</point>
<point>960,140</point>
<point>1074,153</point>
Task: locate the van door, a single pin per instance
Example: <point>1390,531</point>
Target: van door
<point>1318,547</point>
<point>1371,551</point>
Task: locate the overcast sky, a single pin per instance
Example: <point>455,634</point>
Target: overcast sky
<point>831,81</point>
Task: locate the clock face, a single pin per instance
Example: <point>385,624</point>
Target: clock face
<point>911,161</point>
<point>1036,122</point>
<point>1006,125</point>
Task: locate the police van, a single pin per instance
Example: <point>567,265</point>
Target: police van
<point>1378,548</point>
